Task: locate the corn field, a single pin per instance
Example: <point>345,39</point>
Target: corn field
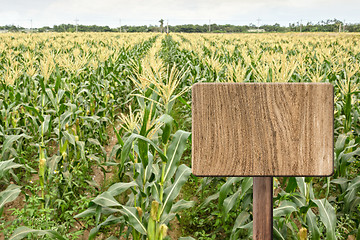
<point>95,136</point>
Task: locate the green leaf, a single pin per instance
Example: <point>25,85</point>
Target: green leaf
<point>246,185</point>
<point>240,220</point>
<point>167,218</point>
<point>64,118</point>
<point>22,232</point>
<point>10,139</point>
<point>174,153</point>
<point>106,200</point>
<point>248,226</point>
<point>81,146</point>
<point>91,211</point>
<point>209,199</point>
<point>173,190</point>
<point>128,145</point>
<point>277,233</point>
<point>352,194</point>
<point>98,214</point>
<point>226,188</point>
<point>340,143</point>
<point>69,137</point>
<point>34,110</point>
<point>182,100</point>
<point>302,185</point>
<point>143,145</point>
<point>134,220</point>
<point>118,188</point>
<point>9,194</point>
<point>291,186</point>
<point>327,216</point>
<point>167,128</point>
<point>97,143</point>
<point>50,95</point>
<point>94,119</point>
<point>182,205</point>
<point>88,212</point>
<point>284,209</point>
<point>312,225</point>
<point>45,124</point>
<point>60,95</point>
<point>7,165</point>
<point>340,181</point>
<point>111,220</point>
<point>230,202</point>
<point>298,199</point>
<point>114,151</point>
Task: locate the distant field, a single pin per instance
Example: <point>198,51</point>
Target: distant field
<point>95,136</point>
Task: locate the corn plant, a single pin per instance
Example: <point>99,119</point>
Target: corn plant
<point>64,97</point>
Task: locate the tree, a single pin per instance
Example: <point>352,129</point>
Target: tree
<point>161,24</point>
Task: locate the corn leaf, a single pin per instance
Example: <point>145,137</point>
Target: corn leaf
<point>173,190</point>
<point>128,145</point>
<point>340,143</point>
<point>240,220</point>
<point>111,220</point>
<point>143,145</point>
<point>230,202</point>
<point>182,205</point>
<point>9,194</point>
<point>91,211</point>
<point>45,124</point>
<point>5,166</point>
<point>277,233</point>
<point>285,208</point>
<point>174,153</point>
<point>312,225</point>
<point>106,200</point>
<point>9,140</point>
<point>226,188</point>
<point>132,214</point>
<point>22,232</point>
<point>119,188</point>
<point>167,127</point>
<point>351,197</point>
<point>327,216</point>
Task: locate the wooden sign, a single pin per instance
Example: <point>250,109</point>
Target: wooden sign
<point>262,129</point>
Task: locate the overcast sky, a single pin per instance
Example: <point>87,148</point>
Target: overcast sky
<point>149,12</point>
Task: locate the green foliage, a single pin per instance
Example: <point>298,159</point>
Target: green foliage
<point>125,110</point>
<point>22,232</point>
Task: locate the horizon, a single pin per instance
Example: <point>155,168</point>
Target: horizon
<point>40,13</point>
<point>158,25</point>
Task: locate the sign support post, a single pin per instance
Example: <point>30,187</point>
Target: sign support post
<point>262,207</point>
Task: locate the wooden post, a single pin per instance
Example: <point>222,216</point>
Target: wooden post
<point>262,208</point>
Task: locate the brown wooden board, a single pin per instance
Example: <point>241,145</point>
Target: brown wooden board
<point>262,129</point>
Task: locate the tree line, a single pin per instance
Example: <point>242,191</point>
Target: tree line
<point>322,26</point>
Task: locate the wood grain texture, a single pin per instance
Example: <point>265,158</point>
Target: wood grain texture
<point>262,129</point>
<point>262,208</point>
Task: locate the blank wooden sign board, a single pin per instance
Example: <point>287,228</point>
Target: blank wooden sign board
<point>262,130</point>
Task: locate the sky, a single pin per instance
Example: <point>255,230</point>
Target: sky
<point>38,13</point>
